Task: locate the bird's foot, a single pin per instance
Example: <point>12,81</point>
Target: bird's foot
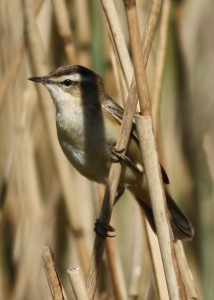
<point>117,155</point>
<point>103,229</point>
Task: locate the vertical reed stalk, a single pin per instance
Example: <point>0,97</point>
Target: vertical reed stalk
<point>115,169</point>
<point>37,60</point>
<point>151,162</point>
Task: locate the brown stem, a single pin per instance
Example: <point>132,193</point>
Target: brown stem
<point>64,29</point>
<point>77,284</point>
<point>55,285</point>
<point>115,169</point>
<point>38,58</point>
<point>160,61</point>
<point>151,162</point>
<point>13,68</point>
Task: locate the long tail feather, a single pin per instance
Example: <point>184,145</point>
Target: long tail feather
<point>181,225</point>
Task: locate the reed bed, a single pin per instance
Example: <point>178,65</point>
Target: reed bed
<point>156,58</point>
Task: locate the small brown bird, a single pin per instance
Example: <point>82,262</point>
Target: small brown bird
<point>88,122</point>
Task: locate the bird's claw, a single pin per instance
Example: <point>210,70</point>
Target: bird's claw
<point>117,154</point>
<point>103,229</point>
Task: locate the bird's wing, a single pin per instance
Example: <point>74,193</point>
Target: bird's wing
<point>117,112</point>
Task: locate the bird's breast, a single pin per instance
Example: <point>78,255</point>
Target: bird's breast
<point>82,138</point>
<point>70,125</point>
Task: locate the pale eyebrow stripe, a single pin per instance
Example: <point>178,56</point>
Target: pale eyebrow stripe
<point>73,77</point>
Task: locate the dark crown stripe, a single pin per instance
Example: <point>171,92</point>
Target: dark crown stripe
<point>85,73</point>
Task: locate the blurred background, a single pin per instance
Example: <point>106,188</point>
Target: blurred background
<point>44,201</point>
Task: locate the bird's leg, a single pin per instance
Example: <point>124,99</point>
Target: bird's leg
<point>120,192</point>
<point>103,229</point>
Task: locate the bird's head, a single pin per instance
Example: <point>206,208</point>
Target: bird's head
<point>71,82</point>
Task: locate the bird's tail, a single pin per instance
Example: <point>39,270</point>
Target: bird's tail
<point>181,225</point>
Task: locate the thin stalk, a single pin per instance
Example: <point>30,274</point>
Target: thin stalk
<point>64,29</point>
<point>151,162</point>
<point>113,263</point>
<point>38,58</point>
<point>117,276</point>
<point>160,61</point>
<point>82,30</point>
<point>77,284</point>
<point>55,285</point>
<point>115,170</point>
<point>13,68</point>
<point>157,264</point>
<point>118,38</point>
<point>186,272</point>
<point>136,256</point>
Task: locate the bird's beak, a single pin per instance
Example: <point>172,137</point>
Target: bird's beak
<point>38,79</point>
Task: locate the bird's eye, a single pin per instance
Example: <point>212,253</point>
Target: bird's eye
<point>67,82</point>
